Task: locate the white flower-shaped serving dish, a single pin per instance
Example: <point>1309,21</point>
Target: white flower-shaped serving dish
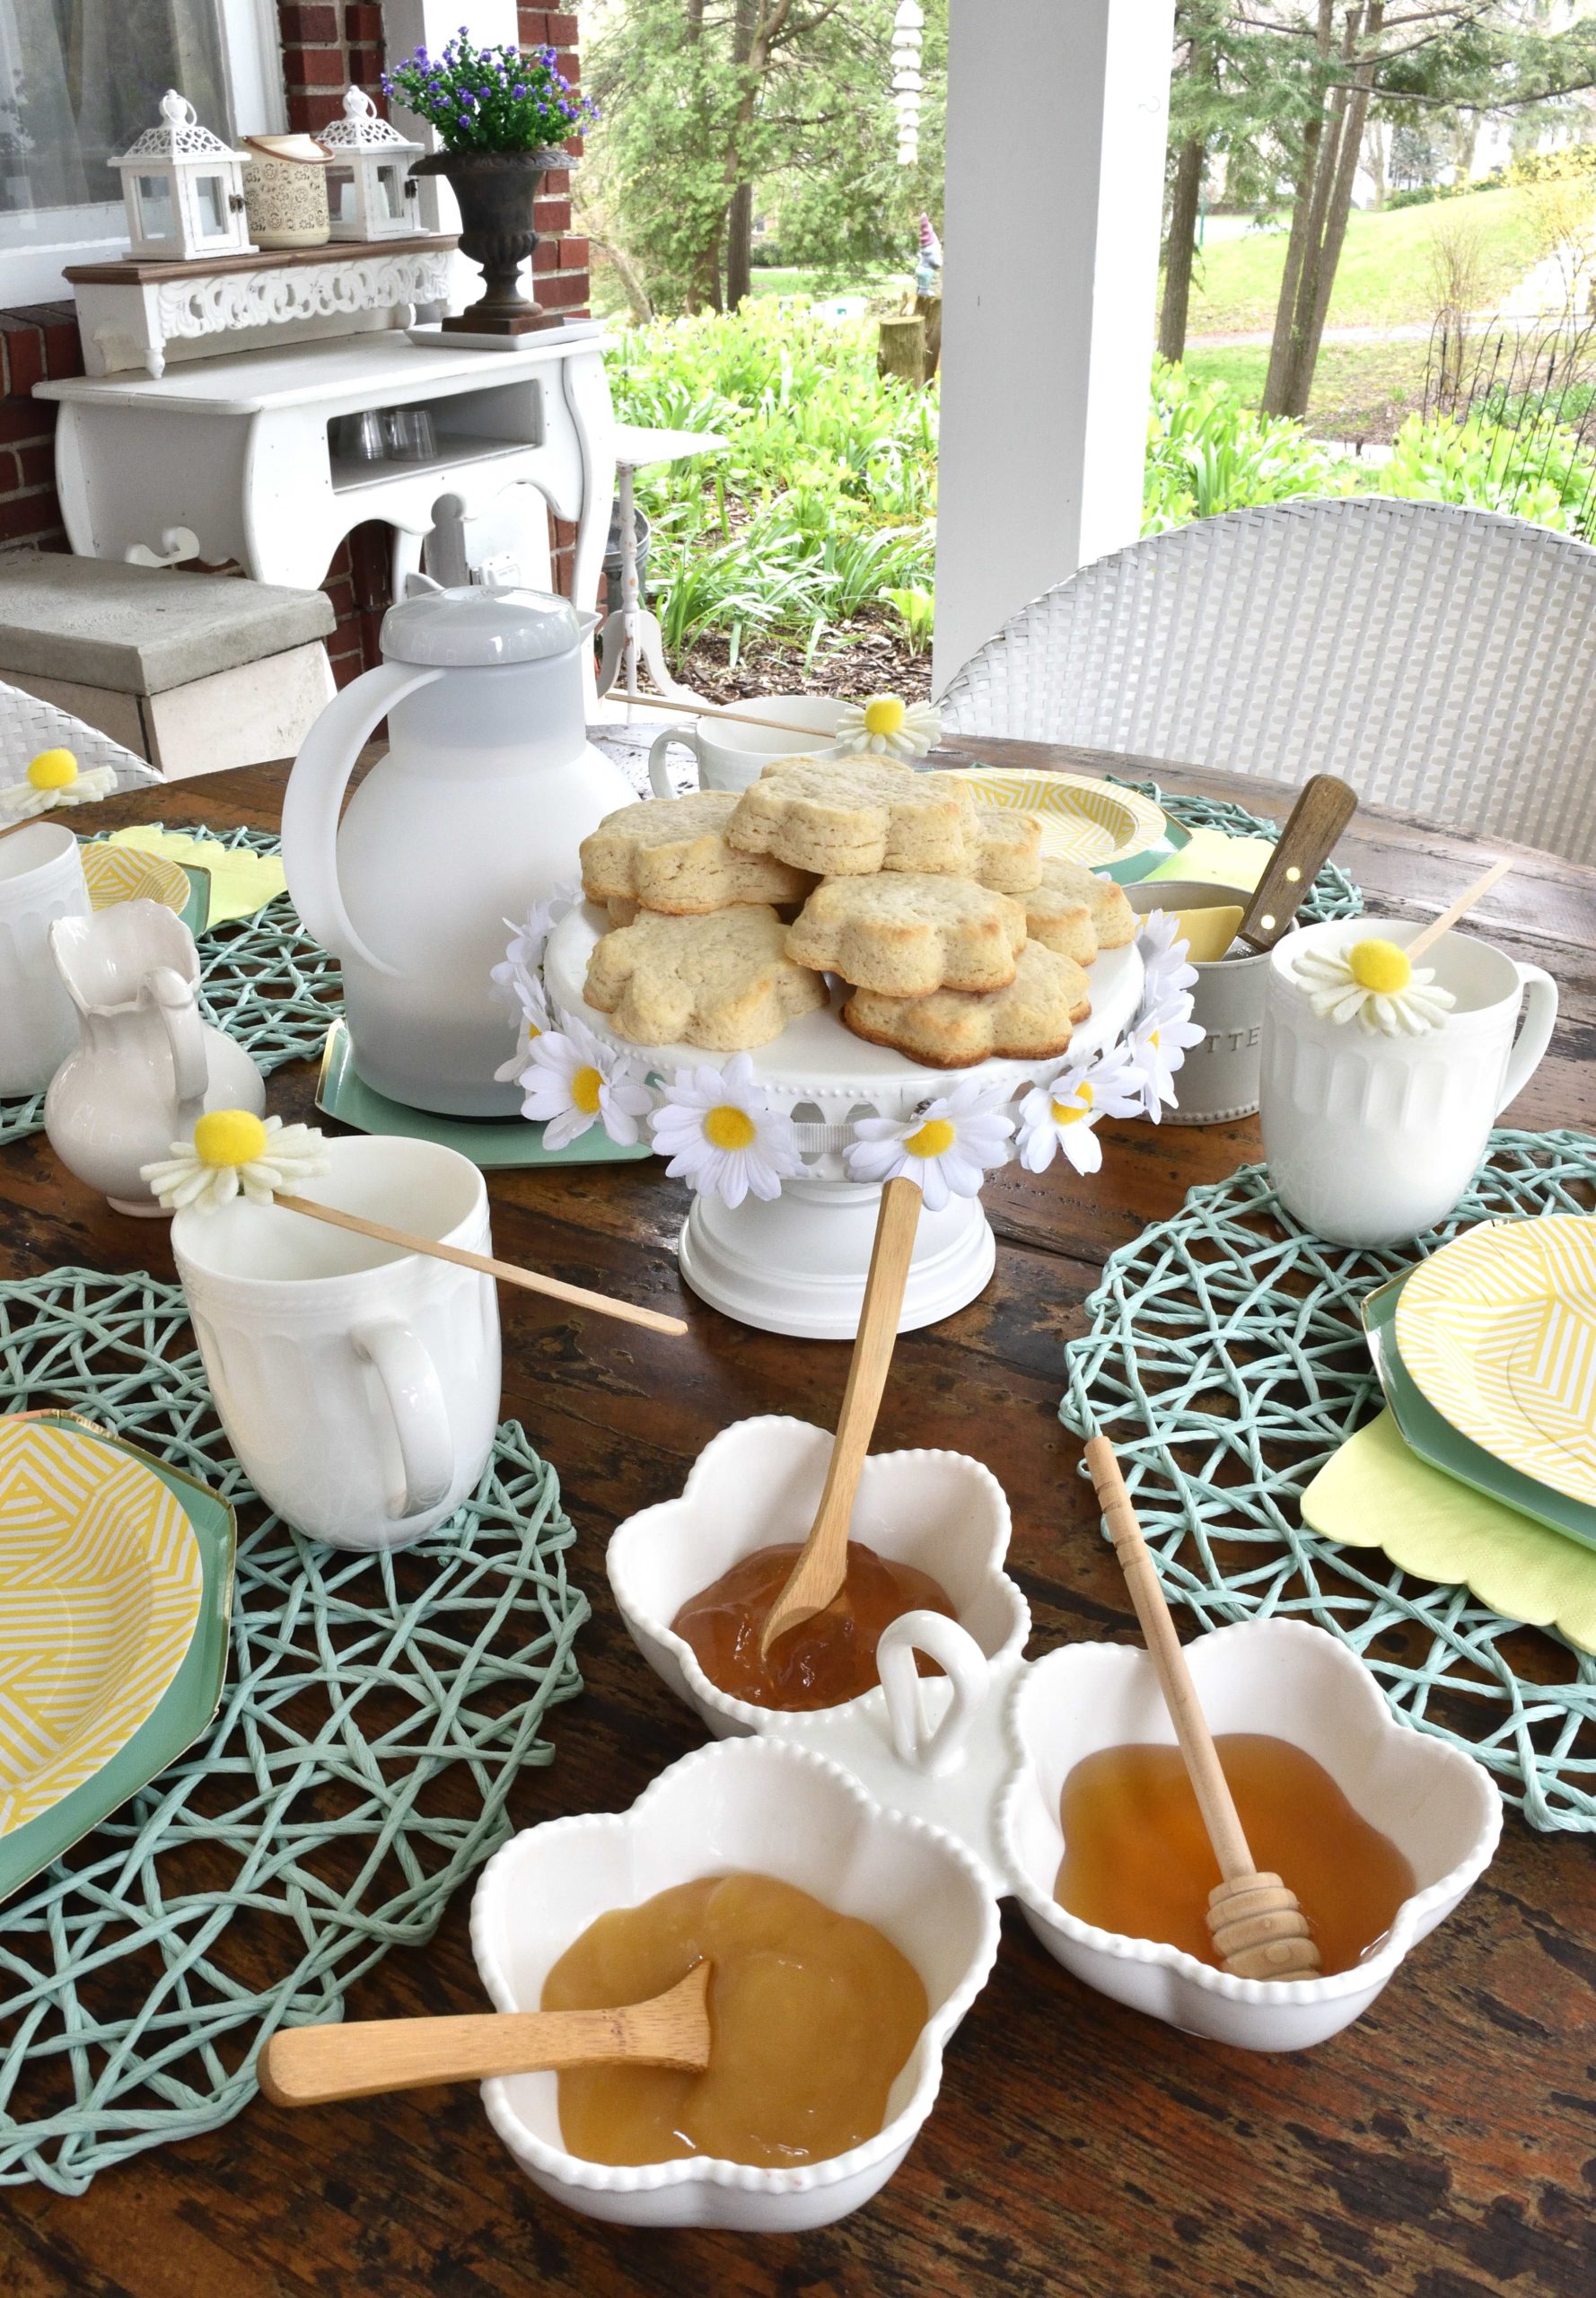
<point>1439,1806</point>
<point>751,1805</point>
<point>932,1746</point>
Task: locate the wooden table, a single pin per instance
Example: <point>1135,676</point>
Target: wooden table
<point>1443,2147</point>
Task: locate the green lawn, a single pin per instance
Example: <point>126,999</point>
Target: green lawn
<point>1384,275</point>
<point>1361,390</point>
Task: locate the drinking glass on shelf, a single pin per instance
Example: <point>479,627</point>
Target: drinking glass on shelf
<point>357,438</point>
<point>407,434</point>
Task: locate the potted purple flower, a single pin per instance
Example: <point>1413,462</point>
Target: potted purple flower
<point>501,115</point>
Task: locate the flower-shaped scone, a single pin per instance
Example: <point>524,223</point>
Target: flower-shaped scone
<point>850,817</point>
<point>671,855</point>
<point>1054,912</point>
<point>1008,851</point>
<point>723,982</point>
<point>906,933</point>
<point>1032,1020</point>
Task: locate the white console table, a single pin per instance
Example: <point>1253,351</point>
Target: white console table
<point>228,458</point>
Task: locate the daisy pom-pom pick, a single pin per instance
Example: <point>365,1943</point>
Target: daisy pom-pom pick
<point>54,778</point>
<point>1377,983</point>
<point>888,726</point>
<point>233,1152</point>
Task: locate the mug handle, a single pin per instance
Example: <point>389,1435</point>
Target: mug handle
<point>420,1416</point>
<point>1540,1014</point>
<point>657,773</point>
<point>961,1661</point>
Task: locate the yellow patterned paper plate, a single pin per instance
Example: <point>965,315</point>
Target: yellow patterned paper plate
<point>1094,823</point>
<point>116,874</point>
<point>99,1594</point>
<point>1498,1328</point>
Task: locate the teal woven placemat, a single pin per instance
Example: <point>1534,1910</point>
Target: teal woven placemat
<point>1226,1362</point>
<point>376,1711</point>
<point>263,980</point>
<point>1333,893</point>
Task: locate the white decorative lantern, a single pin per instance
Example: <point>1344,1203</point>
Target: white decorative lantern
<point>183,189</point>
<point>368,176</point>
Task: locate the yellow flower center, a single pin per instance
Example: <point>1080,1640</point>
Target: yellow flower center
<point>1380,966</point>
<point>53,770</point>
<point>229,1138</point>
<point>935,1138</point>
<point>728,1127</point>
<point>1071,1112</point>
<point>883,715</point>
<point>586,1088</point>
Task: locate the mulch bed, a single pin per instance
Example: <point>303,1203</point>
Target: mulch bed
<point>854,661</point>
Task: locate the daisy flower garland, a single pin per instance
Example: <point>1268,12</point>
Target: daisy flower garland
<point>888,726</point>
<point>948,1146</point>
<point>571,1082</point>
<point>1165,973</point>
<point>234,1151</point>
<point>721,1133</point>
<point>1163,1032</point>
<point>1062,1117</point>
<point>517,978</point>
<point>54,779</point>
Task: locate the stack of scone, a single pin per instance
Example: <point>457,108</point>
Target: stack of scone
<point>957,940</point>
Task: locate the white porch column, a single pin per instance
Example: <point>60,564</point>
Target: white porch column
<point>1057,113</point>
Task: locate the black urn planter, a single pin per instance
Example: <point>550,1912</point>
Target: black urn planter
<point>495,191</point>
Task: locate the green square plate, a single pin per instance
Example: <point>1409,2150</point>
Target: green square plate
<point>1444,1447</point>
<point>495,1144</point>
<point>184,1709</point>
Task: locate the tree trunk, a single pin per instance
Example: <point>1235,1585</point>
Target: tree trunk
<point>1185,206</point>
<point>740,244</point>
<point>1374,148</point>
<point>1297,246</point>
<point>1292,360</point>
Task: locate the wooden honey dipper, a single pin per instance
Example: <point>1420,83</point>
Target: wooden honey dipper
<point>1258,1929</point>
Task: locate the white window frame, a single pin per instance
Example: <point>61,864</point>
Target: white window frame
<point>31,264</point>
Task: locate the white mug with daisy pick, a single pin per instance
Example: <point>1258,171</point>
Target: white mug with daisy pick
<point>1382,1079</point>
<point>357,1383</point>
<point>732,746</point>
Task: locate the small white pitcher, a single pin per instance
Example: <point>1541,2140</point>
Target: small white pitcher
<point>147,1065</point>
<point>1371,1139</point>
<point>41,879</point>
<point>358,1384</point>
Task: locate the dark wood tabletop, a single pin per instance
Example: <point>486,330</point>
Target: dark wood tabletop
<point>1442,2147</point>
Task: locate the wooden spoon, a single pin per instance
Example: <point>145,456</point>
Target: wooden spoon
<point>1325,806</point>
<point>822,1565</point>
<point>1254,1921</point>
<point>310,2067</point>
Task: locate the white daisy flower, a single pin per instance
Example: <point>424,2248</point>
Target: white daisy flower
<point>233,1150</point>
<point>888,725</point>
<point>1374,984</point>
<point>1164,970</point>
<point>1063,1115</point>
<point>719,1131</point>
<point>1157,1045</point>
<point>948,1146</point>
<point>571,1081</point>
<point>53,779</point>
<point>517,978</point>
<point>508,1073</point>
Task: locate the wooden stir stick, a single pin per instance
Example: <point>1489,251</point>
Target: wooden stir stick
<point>311,2067</point>
<point>1459,908</point>
<point>822,1565</point>
<point>529,1279</point>
<point>1254,1921</point>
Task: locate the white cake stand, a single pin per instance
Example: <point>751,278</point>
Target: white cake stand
<point>797,1265</point>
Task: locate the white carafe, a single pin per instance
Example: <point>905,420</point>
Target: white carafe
<point>475,813</point>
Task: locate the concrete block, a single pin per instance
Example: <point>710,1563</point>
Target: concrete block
<point>142,631</point>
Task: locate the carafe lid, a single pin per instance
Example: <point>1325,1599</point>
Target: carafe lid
<point>475,625</point>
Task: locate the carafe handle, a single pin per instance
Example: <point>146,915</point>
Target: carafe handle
<point>315,795</point>
<point>962,1662</point>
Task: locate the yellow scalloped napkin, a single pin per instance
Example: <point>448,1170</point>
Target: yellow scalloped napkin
<point>1374,1493</point>
<point>1210,858</point>
<point>241,882</point>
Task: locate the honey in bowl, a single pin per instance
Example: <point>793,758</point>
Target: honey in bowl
<point>1137,1860</point>
<point>822,1661</point>
<point>812,2015</point>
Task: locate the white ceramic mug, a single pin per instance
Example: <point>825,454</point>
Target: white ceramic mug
<point>729,756</point>
<point>358,1385</point>
<point>41,879</point>
<point>1371,1139</point>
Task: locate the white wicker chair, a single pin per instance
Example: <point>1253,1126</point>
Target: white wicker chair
<point>1442,661</point>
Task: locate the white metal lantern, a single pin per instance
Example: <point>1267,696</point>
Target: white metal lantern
<point>368,174</point>
<point>183,189</point>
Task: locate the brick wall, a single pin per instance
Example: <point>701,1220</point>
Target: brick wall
<point>325,45</point>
